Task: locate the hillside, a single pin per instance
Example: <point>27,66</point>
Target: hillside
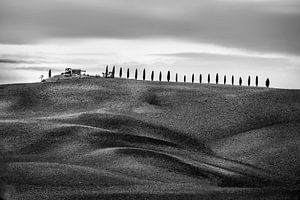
<point>92,138</point>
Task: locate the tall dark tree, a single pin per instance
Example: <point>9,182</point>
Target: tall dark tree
<point>232,80</point>
<point>193,78</point>
<point>128,73</point>
<point>144,74</point>
<point>249,80</point>
<point>106,71</point>
<point>267,82</point>
<point>176,77</point>
<point>224,79</point>
<point>49,74</point>
<point>152,75</point>
<point>256,81</point>
<point>240,81</point>
<point>184,78</point>
<point>160,76</point>
<point>200,78</point>
<point>217,78</point>
<point>168,76</point>
<point>113,72</point>
<point>208,78</point>
<point>120,74</point>
<point>136,74</point>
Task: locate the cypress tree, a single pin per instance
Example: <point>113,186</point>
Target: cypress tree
<point>193,77</point>
<point>240,81</point>
<point>232,80</point>
<point>136,74</point>
<point>152,75</point>
<point>160,76</point>
<point>168,76</point>
<point>120,74</point>
<point>208,78</point>
<point>144,74</point>
<point>113,72</point>
<point>200,78</point>
<point>256,81</point>
<point>184,78</point>
<point>49,74</point>
<point>249,80</point>
<point>127,73</point>
<point>217,78</point>
<point>106,71</point>
<point>224,79</point>
<point>176,78</point>
<point>267,82</point>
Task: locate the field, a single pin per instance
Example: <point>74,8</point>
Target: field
<point>127,139</point>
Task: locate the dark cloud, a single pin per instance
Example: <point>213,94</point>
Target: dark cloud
<point>15,61</point>
<point>7,64</point>
<point>270,26</point>
<point>35,68</point>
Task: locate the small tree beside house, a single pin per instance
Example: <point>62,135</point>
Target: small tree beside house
<point>249,80</point>
<point>160,76</point>
<point>267,82</point>
<point>136,74</point>
<point>152,75</point>
<point>256,81</point>
<point>208,78</point>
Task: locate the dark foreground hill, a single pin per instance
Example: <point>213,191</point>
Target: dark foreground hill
<point>125,139</point>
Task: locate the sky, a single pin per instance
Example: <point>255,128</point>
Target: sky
<point>228,37</point>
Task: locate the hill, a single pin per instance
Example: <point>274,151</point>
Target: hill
<point>92,138</point>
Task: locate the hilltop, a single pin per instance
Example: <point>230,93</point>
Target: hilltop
<point>87,138</point>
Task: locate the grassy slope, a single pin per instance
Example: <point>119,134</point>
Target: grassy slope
<point>207,112</point>
<point>179,128</point>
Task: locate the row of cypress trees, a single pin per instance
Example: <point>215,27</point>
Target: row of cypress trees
<point>184,77</point>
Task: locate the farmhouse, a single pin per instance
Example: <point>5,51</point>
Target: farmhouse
<point>69,72</point>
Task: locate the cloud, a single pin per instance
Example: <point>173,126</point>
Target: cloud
<point>231,56</point>
<point>36,68</point>
<point>15,61</point>
<point>258,25</point>
<point>232,62</point>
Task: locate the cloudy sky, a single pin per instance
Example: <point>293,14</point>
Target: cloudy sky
<point>229,37</point>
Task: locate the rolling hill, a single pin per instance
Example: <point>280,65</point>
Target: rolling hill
<point>125,139</point>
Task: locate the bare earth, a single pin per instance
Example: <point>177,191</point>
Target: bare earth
<point>126,139</point>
